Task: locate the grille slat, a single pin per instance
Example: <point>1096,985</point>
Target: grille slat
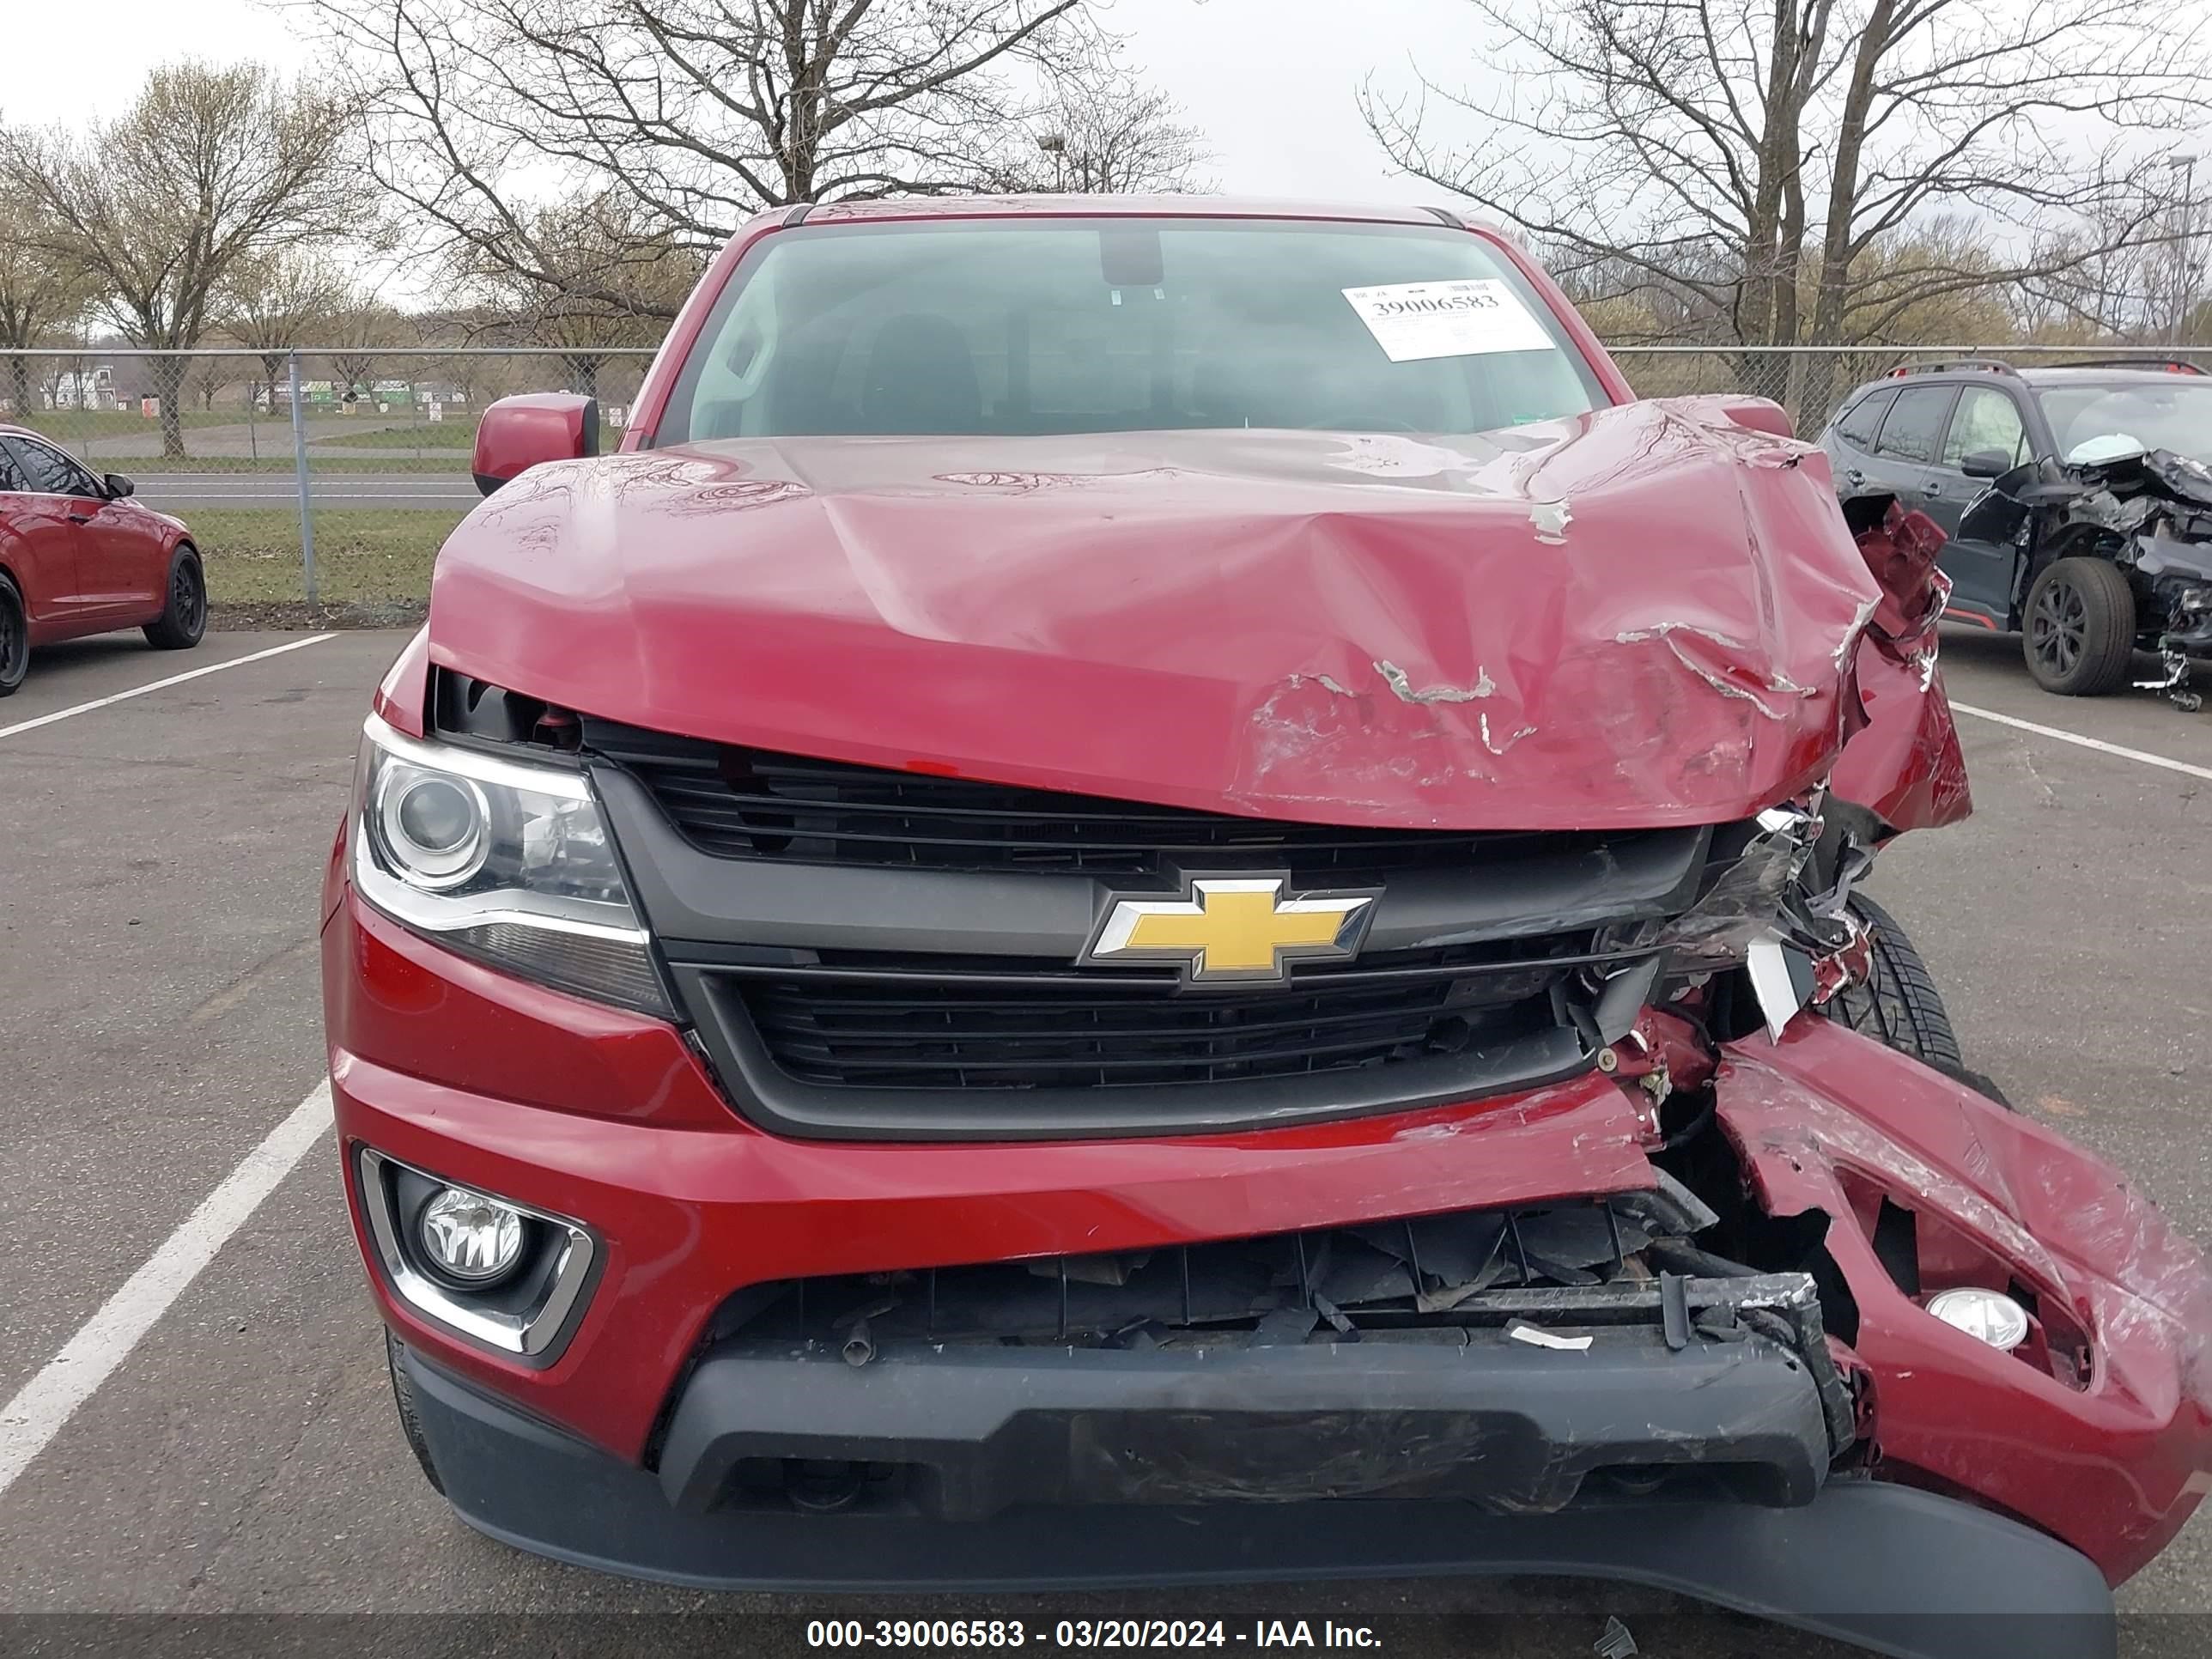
<point>932,1031</point>
<point>748,803</point>
<point>925,1028</point>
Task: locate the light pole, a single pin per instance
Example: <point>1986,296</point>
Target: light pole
<point>2184,241</point>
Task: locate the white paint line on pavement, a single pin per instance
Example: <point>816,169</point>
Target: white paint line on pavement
<point>43,1405</point>
<point>2074,738</point>
<point>157,685</point>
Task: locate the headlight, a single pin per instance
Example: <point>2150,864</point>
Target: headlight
<point>503,860</point>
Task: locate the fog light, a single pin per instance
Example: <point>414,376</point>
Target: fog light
<point>471,1238</point>
<point>1994,1318</point>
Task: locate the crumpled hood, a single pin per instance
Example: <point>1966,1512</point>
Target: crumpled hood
<point>1641,616</point>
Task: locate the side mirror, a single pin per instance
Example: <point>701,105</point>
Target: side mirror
<point>118,486</point>
<point>517,434</point>
<point>1986,464</point>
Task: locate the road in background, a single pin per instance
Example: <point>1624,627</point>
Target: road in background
<point>159,1014</point>
<point>180,492</point>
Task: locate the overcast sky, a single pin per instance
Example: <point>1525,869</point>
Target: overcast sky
<point>1271,81</point>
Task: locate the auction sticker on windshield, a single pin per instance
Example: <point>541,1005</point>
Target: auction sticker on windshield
<point>1413,320</point>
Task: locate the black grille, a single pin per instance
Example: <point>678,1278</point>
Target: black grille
<point>752,803</point>
<point>1018,1024</point>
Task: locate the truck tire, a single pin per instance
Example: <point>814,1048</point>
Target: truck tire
<point>2080,639</point>
<point>1899,1005</point>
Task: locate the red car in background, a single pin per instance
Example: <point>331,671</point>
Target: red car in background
<point>78,556</point>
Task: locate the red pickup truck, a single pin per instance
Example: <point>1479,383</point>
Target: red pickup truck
<point>1145,896</point>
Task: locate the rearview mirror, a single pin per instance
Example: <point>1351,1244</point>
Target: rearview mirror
<point>1986,464</point>
<point>517,434</point>
<point>118,486</point>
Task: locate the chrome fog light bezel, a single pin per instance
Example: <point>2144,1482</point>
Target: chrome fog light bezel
<point>534,1333</point>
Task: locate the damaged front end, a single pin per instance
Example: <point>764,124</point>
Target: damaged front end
<point>1533,1224</point>
<point>2147,512</point>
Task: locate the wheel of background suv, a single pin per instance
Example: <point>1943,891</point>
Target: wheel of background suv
<point>2080,639</point>
<point>402,1398</point>
<point>183,619</point>
<point>14,638</point>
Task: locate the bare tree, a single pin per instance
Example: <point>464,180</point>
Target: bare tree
<point>614,276</point>
<point>208,169</point>
<point>695,113</point>
<point>1110,135</point>
<point>205,377</point>
<point>360,328</point>
<point>40,292</point>
<point>277,301</point>
<point>1752,157</point>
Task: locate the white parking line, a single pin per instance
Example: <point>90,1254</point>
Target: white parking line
<point>43,1405</point>
<point>2074,738</point>
<point>156,685</point>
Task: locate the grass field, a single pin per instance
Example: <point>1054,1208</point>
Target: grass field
<point>74,425</point>
<point>366,556</point>
<point>394,463</point>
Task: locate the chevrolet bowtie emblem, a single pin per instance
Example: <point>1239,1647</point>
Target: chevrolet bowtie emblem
<point>1232,927</point>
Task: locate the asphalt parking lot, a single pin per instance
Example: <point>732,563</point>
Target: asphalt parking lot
<point>160,1016</point>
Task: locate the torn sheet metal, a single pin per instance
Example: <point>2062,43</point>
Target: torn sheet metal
<point>1827,1106</point>
<point>1901,759</point>
<point>1645,602</point>
<point>1401,686</point>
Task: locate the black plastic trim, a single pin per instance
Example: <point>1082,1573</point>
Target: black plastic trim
<point>776,1100</point>
<point>1902,1572</point>
<point>686,895</point>
<point>982,1429</point>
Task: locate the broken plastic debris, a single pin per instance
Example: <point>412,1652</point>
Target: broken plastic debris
<point>1537,1337</point>
<point>1770,980</point>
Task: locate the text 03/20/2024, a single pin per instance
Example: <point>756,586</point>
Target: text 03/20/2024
<point>1084,1633</point>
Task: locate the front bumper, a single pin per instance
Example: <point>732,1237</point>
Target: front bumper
<point>966,1431</point>
<point>604,1117</point>
<point>1895,1570</point>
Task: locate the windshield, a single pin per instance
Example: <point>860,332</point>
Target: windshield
<point>2172,414</point>
<point>1007,327</point>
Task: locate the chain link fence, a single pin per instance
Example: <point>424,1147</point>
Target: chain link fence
<point>1813,382</point>
<point>319,482</point>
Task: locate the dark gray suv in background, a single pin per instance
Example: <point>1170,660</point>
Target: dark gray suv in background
<point>2088,561</point>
